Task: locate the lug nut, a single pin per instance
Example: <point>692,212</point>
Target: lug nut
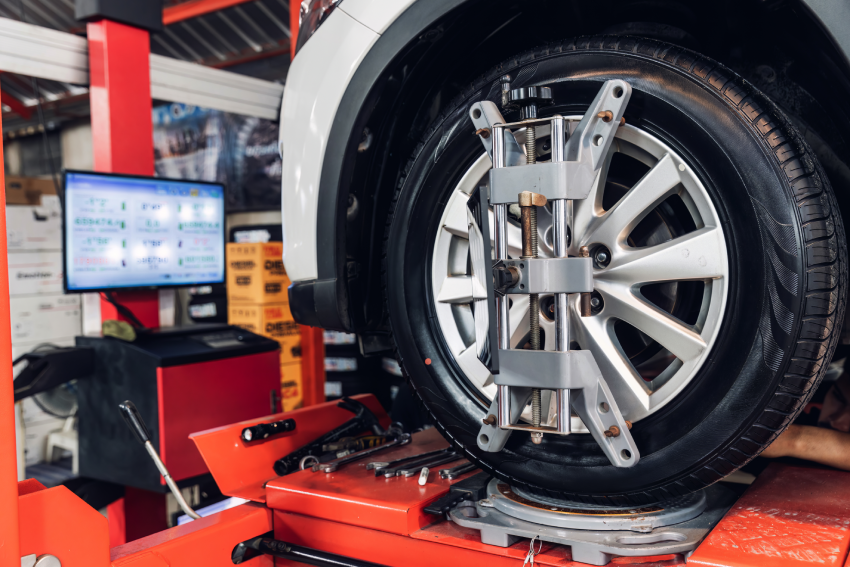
<point>595,302</point>
<point>612,431</point>
<point>536,437</point>
<point>602,257</point>
<point>489,420</point>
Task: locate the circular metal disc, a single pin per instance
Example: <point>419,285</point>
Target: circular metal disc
<point>564,514</point>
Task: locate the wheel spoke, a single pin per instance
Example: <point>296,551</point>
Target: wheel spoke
<point>621,303</point>
<point>694,256</point>
<point>586,211</point>
<point>613,227</point>
<point>518,319</point>
<point>456,221</point>
<point>456,289</point>
<point>594,334</point>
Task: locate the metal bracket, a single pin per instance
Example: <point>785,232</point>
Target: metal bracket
<point>552,275</point>
<point>485,115</point>
<point>591,398</point>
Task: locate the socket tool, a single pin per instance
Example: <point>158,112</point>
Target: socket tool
<point>332,466</point>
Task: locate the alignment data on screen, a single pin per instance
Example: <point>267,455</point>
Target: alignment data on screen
<point>129,232</point>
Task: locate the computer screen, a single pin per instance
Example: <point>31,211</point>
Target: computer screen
<point>141,232</point>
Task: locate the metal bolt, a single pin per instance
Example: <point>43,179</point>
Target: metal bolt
<point>612,431</point>
<point>595,302</point>
<point>536,437</point>
<point>605,115</point>
<point>489,420</point>
<point>528,203</point>
<point>629,424</point>
<point>623,121</point>
<point>47,561</point>
<point>584,298</point>
<point>601,257</point>
<point>483,132</point>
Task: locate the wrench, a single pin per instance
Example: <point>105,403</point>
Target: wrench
<point>453,473</point>
<point>332,466</point>
<point>421,461</point>
<point>378,465</point>
<point>411,470</point>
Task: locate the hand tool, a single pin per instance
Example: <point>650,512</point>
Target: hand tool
<point>421,461</point>
<point>265,430</point>
<point>364,420</point>
<point>386,464</point>
<point>473,488</point>
<point>423,476</point>
<point>410,470</point>
<point>453,473</point>
<point>332,466</point>
<point>134,421</point>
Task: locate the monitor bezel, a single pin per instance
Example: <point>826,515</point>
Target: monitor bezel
<point>65,274</point>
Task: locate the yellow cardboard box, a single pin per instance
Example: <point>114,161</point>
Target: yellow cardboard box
<point>271,320</point>
<point>291,387</point>
<point>255,273</point>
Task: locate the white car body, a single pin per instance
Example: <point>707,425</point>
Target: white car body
<point>316,83</point>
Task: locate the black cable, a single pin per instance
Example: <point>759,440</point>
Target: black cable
<point>123,310</point>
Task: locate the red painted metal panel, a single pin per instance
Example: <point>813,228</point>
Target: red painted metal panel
<point>790,517</point>
<point>207,542</point>
<point>57,522</point>
<point>429,547</point>
<point>196,397</point>
<point>313,365</point>
<point>294,24</point>
<point>9,542</point>
<point>186,10</point>
<point>241,469</point>
<point>143,304</point>
<point>353,495</point>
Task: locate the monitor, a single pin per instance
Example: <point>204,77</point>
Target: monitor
<point>129,232</point>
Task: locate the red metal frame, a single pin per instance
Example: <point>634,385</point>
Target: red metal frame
<point>17,106</point>
<point>312,365</point>
<point>187,10</point>
<point>294,13</point>
<point>9,536</point>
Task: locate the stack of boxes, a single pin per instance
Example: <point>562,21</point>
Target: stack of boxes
<point>258,300</point>
<point>40,311</point>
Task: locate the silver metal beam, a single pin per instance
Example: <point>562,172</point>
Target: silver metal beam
<point>180,81</point>
<point>44,53</point>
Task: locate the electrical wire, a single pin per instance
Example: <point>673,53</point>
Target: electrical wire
<point>123,310</point>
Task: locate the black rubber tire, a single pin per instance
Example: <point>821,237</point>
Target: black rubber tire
<point>787,259</point>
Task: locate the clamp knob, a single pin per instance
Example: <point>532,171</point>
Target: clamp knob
<point>529,99</point>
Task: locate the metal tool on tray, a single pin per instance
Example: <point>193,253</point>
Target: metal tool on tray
<point>461,469</point>
<point>378,465</point>
<point>332,466</point>
<point>364,420</point>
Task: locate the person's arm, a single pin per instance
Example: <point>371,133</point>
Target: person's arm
<point>824,446</point>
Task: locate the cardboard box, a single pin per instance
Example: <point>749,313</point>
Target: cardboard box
<point>291,386</point>
<point>36,272</point>
<point>31,227</point>
<point>273,321</point>
<point>255,273</point>
<point>27,190</point>
<point>45,318</point>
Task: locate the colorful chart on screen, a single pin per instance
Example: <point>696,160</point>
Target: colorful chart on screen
<point>136,232</point>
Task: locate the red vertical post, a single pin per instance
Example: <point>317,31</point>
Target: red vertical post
<point>312,365</point>
<point>294,11</point>
<point>10,543</point>
<point>122,142</point>
<point>122,125</point>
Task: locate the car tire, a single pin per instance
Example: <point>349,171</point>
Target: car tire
<point>787,272</point>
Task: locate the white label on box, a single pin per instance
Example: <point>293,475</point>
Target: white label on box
<point>340,364</point>
<point>44,318</point>
<point>35,273</point>
<point>31,227</point>
<point>339,338</point>
<point>202,310</point>
<point>333,389</point>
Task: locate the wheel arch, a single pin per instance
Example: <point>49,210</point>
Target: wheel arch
<point>427,56</point>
